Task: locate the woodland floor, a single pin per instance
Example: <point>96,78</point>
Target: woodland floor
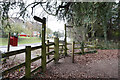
<point>103,64</point>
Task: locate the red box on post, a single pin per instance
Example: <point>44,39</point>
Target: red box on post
<point>13,41</point>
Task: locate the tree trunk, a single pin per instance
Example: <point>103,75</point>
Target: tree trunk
<point>105,32</point>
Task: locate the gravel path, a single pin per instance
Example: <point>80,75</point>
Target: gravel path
<point>104,64</point>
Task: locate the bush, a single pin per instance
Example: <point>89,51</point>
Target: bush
<point>109,45</point>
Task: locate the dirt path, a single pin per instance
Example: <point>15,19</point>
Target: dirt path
<point>104,64</point>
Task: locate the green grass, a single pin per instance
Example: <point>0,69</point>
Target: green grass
<point>3,41</point>
<point>29,40</point>
<point>21,40</point>
<point>26,37</point>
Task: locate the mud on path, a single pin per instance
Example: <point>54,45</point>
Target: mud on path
<point>104,64</point>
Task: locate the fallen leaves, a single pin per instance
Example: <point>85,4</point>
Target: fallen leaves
<point>82,68</point>
<point>66,69</point>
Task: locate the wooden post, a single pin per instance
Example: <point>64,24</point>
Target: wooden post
<point>8,49</point>
<point>82,47</point>
<point>56,48</point>
<point>28,62</point>
<point>48,49</point>
<point>62,49</point>
<point>65,42</point>
<point>73,44</point>
<point>43,62</point>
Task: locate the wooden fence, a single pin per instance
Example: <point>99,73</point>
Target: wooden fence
<point>83,45</point>
<point>58,47</point>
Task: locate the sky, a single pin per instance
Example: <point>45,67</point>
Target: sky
<point>52,22</point>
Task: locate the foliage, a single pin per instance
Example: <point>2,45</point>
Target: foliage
<point>5,7</point>
<point>49,31</point>
<point>87,16</point>
<point>15,28</point>
<point>111,45</point>
<point>58,34</point>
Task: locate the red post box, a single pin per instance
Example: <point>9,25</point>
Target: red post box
<point>13,41</point>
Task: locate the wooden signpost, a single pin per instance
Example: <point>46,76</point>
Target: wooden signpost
<point>43,21</point>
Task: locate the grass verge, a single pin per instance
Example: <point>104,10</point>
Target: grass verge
<point>21,40</point>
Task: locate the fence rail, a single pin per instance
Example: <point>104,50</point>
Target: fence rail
<point>13,68</point>
<point>36,47</point>
<point>7,54</point>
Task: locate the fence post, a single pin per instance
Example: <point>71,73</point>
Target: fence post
<point>8,49</point>
<point>73,44</point>
<point>43,62</point>
<point>65,42</point>
<point>28,62</point>
<point>56,48</point>
<point>82,47</point>
<point>48,49</point>
<point>62,49</point>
